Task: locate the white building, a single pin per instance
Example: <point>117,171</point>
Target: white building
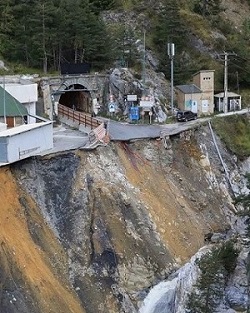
<point>23,141</point>
<point>26,92</point>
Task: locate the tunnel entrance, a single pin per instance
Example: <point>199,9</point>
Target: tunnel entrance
<point>77,97</point>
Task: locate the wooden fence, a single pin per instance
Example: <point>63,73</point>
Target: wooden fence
<point>78,117</point>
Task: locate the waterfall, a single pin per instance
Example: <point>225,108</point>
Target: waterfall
<point>170,296</point>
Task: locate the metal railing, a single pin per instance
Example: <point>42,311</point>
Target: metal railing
<point>78,117</point>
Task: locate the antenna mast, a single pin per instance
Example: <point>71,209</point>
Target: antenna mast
<point>171,53</point>
<point>4,100</point>
<point>144,61</point>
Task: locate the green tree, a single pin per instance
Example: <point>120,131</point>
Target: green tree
<point>23,32</point>
<point>42,21</point>
<point>98,50</point>
<point>215,268</point>
<point>208,289</point>
<point>85,33</point>
<point>7,21</point>
<point>44,33</point>
<point>98,6</point>
<point>227,255</point>
<point>168,27</point>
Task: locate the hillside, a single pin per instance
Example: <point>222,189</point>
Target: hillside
<point>93,231</point>
<point>110,33</point>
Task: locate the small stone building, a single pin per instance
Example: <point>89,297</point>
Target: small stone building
<point>199,96</point>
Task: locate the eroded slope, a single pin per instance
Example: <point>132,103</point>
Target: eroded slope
<point>92,231</point>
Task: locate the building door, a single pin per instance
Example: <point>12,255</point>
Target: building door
<point>204,106</point>
<point>10,121</point>
<point>194,106</point>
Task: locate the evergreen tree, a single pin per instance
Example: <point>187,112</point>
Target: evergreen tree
<point>208,290</point>
<point>44,33</point>
<point>23,31</point>
<point>98,6</point>
<point>98,50</point>
<point>7,21</point>
<point>84,34</point>
<point>169,28</point>
<point>75,26</point>
<point>43,21</point>
<point>215,268</point>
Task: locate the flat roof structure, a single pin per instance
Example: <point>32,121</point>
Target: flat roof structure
<point>229,94</point>
<point>203,71</point>
<point>23,141</point>
<point>22,128</point>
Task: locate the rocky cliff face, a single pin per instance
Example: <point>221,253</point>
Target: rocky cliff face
<point>93,231</point>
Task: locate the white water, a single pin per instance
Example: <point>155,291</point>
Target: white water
<point>170,296</point>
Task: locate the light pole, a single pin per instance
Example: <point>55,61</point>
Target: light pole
<point>171,53</point>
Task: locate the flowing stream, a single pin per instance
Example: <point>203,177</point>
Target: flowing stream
<point>170,296</point>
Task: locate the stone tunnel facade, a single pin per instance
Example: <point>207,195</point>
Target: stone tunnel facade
<point>52,89</point>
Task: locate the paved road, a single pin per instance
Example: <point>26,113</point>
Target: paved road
<point>125,131</point>
<point>66,138</point>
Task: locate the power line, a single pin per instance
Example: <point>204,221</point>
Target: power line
<point>245,59</point>
<point>243,69</point>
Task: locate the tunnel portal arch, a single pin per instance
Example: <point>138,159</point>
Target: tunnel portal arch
<point>69,90</point>
<point>77,97</point>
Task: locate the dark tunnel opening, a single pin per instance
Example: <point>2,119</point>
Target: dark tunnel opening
<point>77,97</point>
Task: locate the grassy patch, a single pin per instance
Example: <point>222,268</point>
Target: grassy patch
<point>197,24</point>
<point>234,131</point>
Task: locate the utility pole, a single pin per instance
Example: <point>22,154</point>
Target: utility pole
<point>171,53</point>
<point>225,100</point>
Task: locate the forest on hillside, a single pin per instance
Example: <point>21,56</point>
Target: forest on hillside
<point>43,34</point>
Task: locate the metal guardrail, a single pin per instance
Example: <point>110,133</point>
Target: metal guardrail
<point>78,117</point>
